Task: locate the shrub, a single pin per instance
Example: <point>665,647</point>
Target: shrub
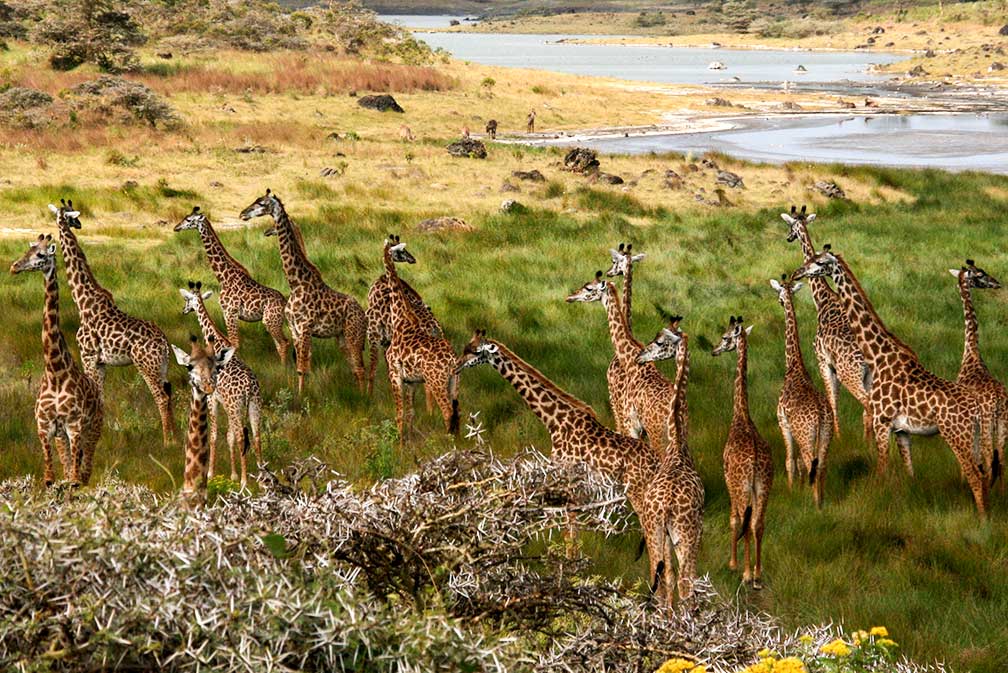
<point>650,19</point>
<point>24,107</point>
<point>101,32</point>
<point>349,28</point>
<point>109,96</point>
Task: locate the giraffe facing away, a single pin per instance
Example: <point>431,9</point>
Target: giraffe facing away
<point>803,413</point>
<point>68,409</point>
<point>237,390</point>
<point>241,296</point>
<point>415,355</point>
<point>907,399</point>
<point>204,366</point>
<point>837,353</point>
<point>622,265</point>
<point>748,465</point>
<point>973,372</point>
<point>677,482</point>
<point>576,435</point>
<point>108,336</point>
<point>313,309</point>
<point>644,391</point>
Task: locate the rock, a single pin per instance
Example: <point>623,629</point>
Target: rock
<point>447,223</point>
<point>878,30</point>
<point>870,40</point>
<point>847,104</point>
<point>995,66</point>
<point>917,71</point>
<point>800,68</point>
<point>468,147</point>
<point>381,102</point>
<point>791,105</point>
<point>508,187</point>
<point>607,178</point>
<point>166,55</point>
<point>717,65</point>
<point>709,163</point>
<point>216,184</point>
<point>130,184</point>
<point>890,44</point>
<point>250,148</point>
<point>454,22</point>
<point>581,160</point>
<point>511,206</point>
<point>717,101</point>
<point>672,175</point>
<point>730,179</point>
<point>830,189</point>
<point>532,176</point>
<point>929,53</point>
<point>333,136</point>
<point>1004,30</point>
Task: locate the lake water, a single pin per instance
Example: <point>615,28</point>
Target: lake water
<point>420,21</point>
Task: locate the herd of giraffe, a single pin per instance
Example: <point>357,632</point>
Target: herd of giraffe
<point>649,449</point>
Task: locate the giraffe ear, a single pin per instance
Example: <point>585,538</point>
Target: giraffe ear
<point>748,330</point>
<point>53,208</point>
<point>787,218</point>
<point>207,294</point>
<point>954,272</point>
<point>52,249</point>
<point>637,258</point>
<point>181,356</point>
<point>775,285</point>
<point>186,294</point>
<point>810,219</point>
<point>614,254</point>
<point>797,286</point>
<point>225,356</point>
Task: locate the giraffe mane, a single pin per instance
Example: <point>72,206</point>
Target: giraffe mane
<point>851,278</point>
<point>543,380</point>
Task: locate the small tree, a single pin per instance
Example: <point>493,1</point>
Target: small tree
<point>738,14</point>
<point>90,31</point>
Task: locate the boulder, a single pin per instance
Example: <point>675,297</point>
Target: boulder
<point>995,66</point>
<point>447,223</point>
<point>381,102</point>
<point>830,189</point>
<point>607,178</point>
<point>581,160</point>
<point>468,147</point>
<point>917,71</point>
<point>717,101</point>
<point>791,105</point>
<point>508,186</point>
<point>511,206</point>
<point>1004,30</point>
<point>531,176</point>
<point>709,163</point>
<point>730,179</point>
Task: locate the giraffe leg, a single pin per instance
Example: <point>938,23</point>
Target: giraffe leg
<point>90,436</point>
<point>868,423</point>
<point>302,353</point>
<point>236,439</point>
<point>571,536</point>
<point>212,420</point>
<point>881,430</point>
<point>254,413</point>
<point>736,521</point>
<point>155,375</point>
<point>232,431</point>
<point>75,454</point>
<point>273,321</point>
<point>903,442</point>
<point>789,444</point>
<point>373,340</point>
<point>396,385</point>
<point>355,337</point>
<point>673,568</point>
<point>832,383</point>
<point>45,438</point>
<point>687,552</point>
<point>822,448</point>
<point>747,567</point>
<point>231,325</point>
<point>962,436</point>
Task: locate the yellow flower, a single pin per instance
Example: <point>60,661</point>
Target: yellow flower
<point>790,665</point>
<point>859,637</point>
<point>676,666</point>
<point>837,648</point>
<point>805,639</point>
<point>764,653</point>
<point>885,642</point>
<point>880,632</point>
<point>699,669</point>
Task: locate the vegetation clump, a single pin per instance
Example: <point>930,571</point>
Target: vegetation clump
<point>101,32</point>
<point>24,107</point>
<point>115,96</point>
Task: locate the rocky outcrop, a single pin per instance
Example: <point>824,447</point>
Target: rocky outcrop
<point>730,179</point>
<point>830,189</point>
<point>468,147</point>
<point>531,176</point>
<point>447,223</point>
<point>381,102</point>
<point>581,160</point>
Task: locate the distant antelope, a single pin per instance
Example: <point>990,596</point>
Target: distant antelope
<point>406,134</point>
<point>530,122</point>
<point>491,129</point>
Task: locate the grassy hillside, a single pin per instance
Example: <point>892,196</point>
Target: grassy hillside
<point>907,553</point>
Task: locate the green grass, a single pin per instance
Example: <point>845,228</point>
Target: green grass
<point>905,553</point>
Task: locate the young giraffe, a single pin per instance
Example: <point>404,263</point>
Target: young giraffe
<point>803,413</point>
<point>837,353</point>
<point>69,406</point>
<point>204,366</point>
<point>907,399</point>
<point>241,296</point>
<point>623,413</point>
<point>576,435</point>
<point>973,372</point>
<point>237,389</point>
<point>379,314</point>
<point>646,393</point>
<point>748,465</point>
<point>108,336</point>
<point>314,309</point>
<point>677,482</point>
<point>415,355</point>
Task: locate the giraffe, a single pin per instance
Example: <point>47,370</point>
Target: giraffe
<point>645,393</point>
<point>837,353</point>
<point>622,265</point>
<point>415,355</point>
<point>313,309</point>
<point>803,412</point>
<point>241,296</point>
<point>204,366</point>
<point>748,465</point>
<point>237,390</point>
<point>677,481</point>
<point>108,336</point>
<point>973,372</point>
<point>379,319</point>
<point>907,399</point>
<point>576,435</point>
<point>69,406</point>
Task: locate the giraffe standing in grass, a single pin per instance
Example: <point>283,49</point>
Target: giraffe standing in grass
<point>314,309</point>
<point>803,413</point>
<point>108,336</point>
<point>69,407</point>
<point>237,390</point>
<point>415,355</point>
<point>241,296</point>
<point>748,465</point>
<point>973,372</point>
<point>907,399</point>
<point>576,435</point>
<point>623,411</point>
<point>204,366</point>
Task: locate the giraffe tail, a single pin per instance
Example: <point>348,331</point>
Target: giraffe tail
<point>995,467</point>
<point>453,423</point>
<point>746,523</point>
<point>812,471</point>
<point>245,440</point>
<point>659,571</point>
<point>167,387</point>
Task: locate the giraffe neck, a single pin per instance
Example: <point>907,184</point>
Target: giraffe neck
<point>401,308</point>
<point>197,449</point>
<point>740,402</point>
<point>297,267</point>
<point>678,427</point>
<point>58,359</point>
<point>628,294</point>
<point>548,402</point>
<point>222,263</point>
<point>971,348</point>
<point>822,293</point>
<point>873,337</point>
<point>84,288</point>
<point>208,327</point>
<point>624,344</point>
<point>792,344</point>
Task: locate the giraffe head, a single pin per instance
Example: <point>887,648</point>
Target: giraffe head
<point>665,344</point>
<point>731,338</point>
<point>622,259</point>
<point>397,250</point>
<point>823,264</point>
<point>193,296</point>
<point>797,220</point>
<point>66,215</point>
<point>203,365</point>
<point>593,290</point>
<point>267,204</point>
<point>976,277</point>
<point>784,287</point>
<point>478,351</point>
<point>41,256</point>
<point>194,220</point>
